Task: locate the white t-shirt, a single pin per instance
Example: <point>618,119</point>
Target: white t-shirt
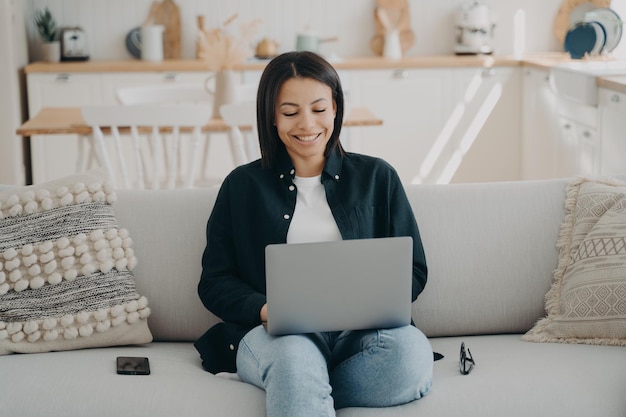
<point>312,219</point>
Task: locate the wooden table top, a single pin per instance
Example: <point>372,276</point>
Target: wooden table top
<point>68,120</point>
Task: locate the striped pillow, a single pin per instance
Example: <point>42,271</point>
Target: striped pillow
<point>65,269</point>
<point>587,300</point>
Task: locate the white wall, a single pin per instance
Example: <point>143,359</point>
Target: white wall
<point>108,22</point>
<point>13,53</point>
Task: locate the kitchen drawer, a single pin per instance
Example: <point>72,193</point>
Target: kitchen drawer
<point>584,114</point>
<point>111,82</point>
<point>612,100</point>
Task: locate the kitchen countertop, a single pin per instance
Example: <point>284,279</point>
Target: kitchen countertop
<point>615,82</point>
<point>540,61</point>
<point>434,61</point>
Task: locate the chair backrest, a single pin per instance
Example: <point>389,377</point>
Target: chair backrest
<point>236,115</point>
<point>165,142</point>
<point>164,93</point>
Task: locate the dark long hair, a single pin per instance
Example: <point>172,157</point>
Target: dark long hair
<point>289,65</point>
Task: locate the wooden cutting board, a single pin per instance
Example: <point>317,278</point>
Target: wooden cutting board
<point>166,13</point>
<point>398,10</point>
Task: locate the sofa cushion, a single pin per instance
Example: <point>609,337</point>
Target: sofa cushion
<point>169,235</point>
<point>65,269</point>
<point>490,253</point>
<point>587,301</point>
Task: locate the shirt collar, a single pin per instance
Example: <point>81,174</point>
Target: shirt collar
<point>332,167</point>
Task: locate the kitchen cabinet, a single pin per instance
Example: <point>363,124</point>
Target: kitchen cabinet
<point>413,104</point>
<point>612,105</point>
<point>540,127</point>
<point>578,142</point>
<point>442,125</point>
<point>486,145</point>
<point>54,156</point>
<point>114,81</point>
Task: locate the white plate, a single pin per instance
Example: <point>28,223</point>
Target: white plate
<point>612,24</point>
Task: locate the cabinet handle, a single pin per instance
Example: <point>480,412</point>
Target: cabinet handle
<point>400,74</point>
<point>615,98</point>
<point>488,72</point>
<point>171,76</point>
<point>64,78</point>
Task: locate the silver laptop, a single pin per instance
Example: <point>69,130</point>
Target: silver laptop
<point>343,285</point>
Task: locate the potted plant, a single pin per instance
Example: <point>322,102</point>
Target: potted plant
<point>47,27</point>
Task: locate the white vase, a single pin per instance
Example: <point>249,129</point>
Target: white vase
<point>152,42</point>
<point>392,48</point>
<point>223,91</point>
<point>51,51</point>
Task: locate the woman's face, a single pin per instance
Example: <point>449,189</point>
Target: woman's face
<point>305,114</point>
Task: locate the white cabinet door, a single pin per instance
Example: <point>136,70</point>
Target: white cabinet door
<point>56,156</point>
<point>486,145</point>
<point>413,104</point>
<point>613,132</point>
<point>442,125</point>
<point>578,145</point>
<point>540,127</point>
<point>588,151</point>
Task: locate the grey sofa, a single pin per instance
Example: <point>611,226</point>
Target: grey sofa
<point>491,253</point>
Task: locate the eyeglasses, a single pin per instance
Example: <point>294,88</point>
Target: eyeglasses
<point>466,362</point>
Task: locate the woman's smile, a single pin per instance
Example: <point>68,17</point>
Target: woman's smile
<point>308,138</point>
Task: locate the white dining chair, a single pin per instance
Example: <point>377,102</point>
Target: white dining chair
<point>241,147</point>
<point>165,141</point>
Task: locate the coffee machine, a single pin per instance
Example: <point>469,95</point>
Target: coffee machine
<point>474,30</point>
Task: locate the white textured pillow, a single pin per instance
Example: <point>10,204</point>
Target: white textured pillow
<point>587,301</point>
<point>65,269</point>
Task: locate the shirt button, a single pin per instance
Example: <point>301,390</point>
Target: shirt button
<point>337,177</point>
<point>291,188</point>
<point>286,217</point>
<point>231,347</point>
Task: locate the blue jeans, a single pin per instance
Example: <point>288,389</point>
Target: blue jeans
<point>314,374</point>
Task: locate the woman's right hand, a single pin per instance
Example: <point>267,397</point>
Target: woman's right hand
<point>263,315</point>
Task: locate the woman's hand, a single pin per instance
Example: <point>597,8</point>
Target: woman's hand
<point>263,315</point>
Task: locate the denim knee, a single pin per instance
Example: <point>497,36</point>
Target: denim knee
<point>291,369</point>
<point>393,367</point>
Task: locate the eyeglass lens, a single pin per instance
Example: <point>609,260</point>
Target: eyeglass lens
<point>466,362</point>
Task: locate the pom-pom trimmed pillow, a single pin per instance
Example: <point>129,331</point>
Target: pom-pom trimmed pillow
<point>587,300</point>
<point>65,269</point>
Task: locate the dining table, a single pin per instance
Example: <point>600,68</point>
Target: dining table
<point>68,120</point>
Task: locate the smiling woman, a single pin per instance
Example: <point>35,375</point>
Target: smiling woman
<point>306,188</point>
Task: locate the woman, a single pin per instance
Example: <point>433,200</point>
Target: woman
<point>306,188</point>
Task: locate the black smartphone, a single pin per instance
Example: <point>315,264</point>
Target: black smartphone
<point>133,365</point>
